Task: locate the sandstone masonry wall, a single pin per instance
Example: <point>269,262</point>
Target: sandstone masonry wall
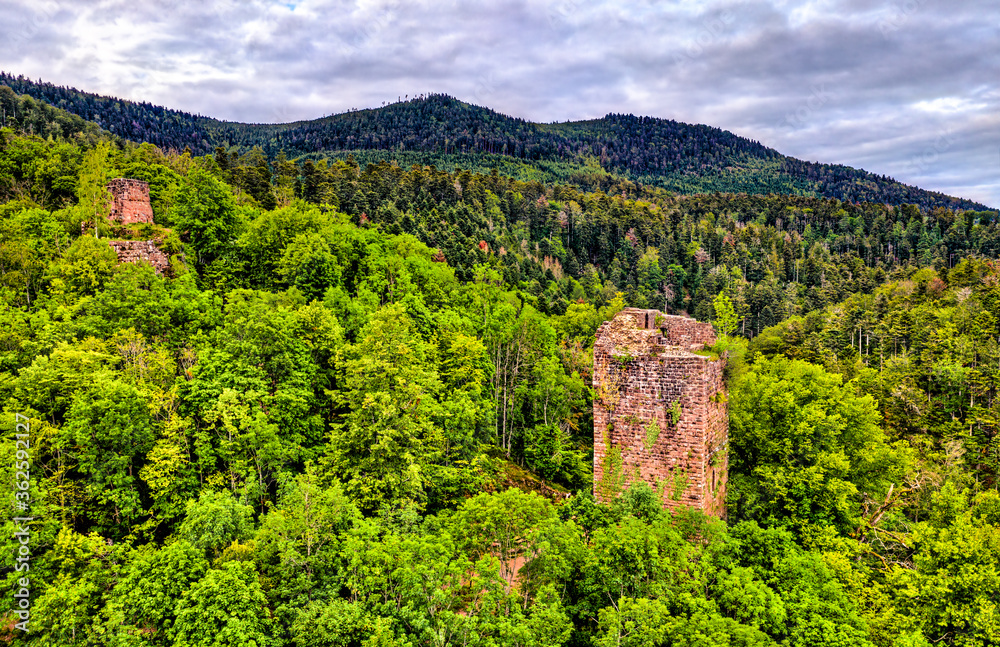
<point>130,205</point>
<point>135,251</point>
<point>130,201</point>
<point>660,412</point>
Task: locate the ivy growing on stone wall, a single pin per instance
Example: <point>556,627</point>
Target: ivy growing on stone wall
<point>675,412</point>
<point>652,434</point>
<point>613,477</point>
<point>680,483</point>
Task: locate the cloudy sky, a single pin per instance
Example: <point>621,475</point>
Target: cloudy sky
<point>909,89</point>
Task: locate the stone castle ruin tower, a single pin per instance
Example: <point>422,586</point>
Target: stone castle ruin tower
<point>130,205</point>
<point>660,412</point>
<point>130,201</point>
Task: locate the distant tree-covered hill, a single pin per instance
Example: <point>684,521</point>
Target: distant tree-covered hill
<point>139,122</point>
<point>452,134</point>
<point>333,420</point>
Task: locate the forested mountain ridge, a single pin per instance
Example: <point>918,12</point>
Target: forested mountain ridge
<point>775,256</point>
<point>305,433</point>
<point>926,345</point>
<point>449,133</point>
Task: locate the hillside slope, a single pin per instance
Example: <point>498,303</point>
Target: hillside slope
<point>450,133</point>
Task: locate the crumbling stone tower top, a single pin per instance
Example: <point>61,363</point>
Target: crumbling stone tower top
<point>660,410</point>
<point>130,201</point>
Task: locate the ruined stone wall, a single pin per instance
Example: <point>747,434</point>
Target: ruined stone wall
<point>660,412</point>
<point>135,251</point>
<point>686,332</point>
<point>716,420</point>
<point>130,201</point>
<point>130,205</point>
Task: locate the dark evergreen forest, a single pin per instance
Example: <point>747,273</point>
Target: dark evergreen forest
<point>675,156</point>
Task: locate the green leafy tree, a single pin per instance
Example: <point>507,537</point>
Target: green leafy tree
<point>420,580</point>
<point>30,239</point>
<point>298,541</point>
<point>205,210</point>
<point>67,610</point>
<point>225,608</point>
<point>501,525</point>
<point>340,623</point>
<point>806,448</point>
<point>308,264</point>
<point>726,320</point>
<point>94,199</point>
<point>950,593</point>
<point>84,269</point>
<point>388,432</point>
<point>108,431</point>
<point>214,521</point>
<point>141,608</point>
<point>643,622</point>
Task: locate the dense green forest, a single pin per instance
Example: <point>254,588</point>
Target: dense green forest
<point>663,153</point>
<point>357,409</point>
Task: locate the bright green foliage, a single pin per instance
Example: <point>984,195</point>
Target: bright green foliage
<point>107,431</point>
<point>544,624</point>
<point>262,378</point>
<point>214,521</point>
<point>91,189</point>
<point>390,398</point>
<point>927,350</point>
<point>951,592</point>
<point>633,559</point>
<point>421,587</point>
<point>675,412</point>
<point>777,587</point>
<point>339,623</point>
<point>644,622</point>
<point>49,384</point>
<point>225,608</point>
<point>141,608</point>
<point>501,525</point>
<point>640,500</point>
<point>67,610</point>
<point>806,449</point>
<point>555,398</point>
<point>308,264</point>
<point>307,432</point>
<point>464,370</point>
<point>204,208</point>
<point>136,297</point>
<point>285,243</point>
<point>652,429</point>
<point>751,601</point>
<point>415,578</point>
<point>297,542</point>
<point>550,452</point>
<point>29,240</point>
<point>84,269</point>
<point>519,342</point>
<point>726,318</point>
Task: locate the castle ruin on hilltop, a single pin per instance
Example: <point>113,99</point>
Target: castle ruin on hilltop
<point>130,205</point>
<point>660,410</point>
